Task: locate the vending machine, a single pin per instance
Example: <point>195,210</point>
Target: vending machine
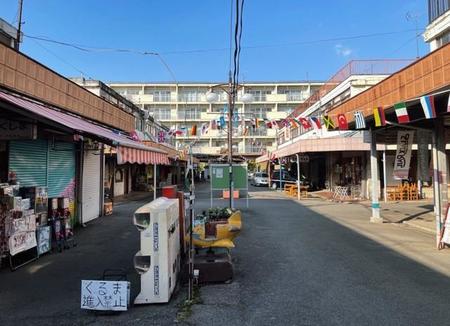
<point>158,261</point>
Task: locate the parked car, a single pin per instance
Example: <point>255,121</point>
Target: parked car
<point>260,179</point>
<point>285,178</point>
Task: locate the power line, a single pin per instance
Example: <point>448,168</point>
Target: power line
<point>86,48</point>
<point>63,60</point>
<point>90,49</point>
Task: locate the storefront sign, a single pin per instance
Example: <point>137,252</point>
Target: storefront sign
<point>403,156</point>
<point>21,241</point>
<point>43,239</point>
<point>10,129</point>
<point>303,158</point>
<point>423,157</point>
<point>105,295</point>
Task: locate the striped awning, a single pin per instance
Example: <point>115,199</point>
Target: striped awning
<point>139,156</point>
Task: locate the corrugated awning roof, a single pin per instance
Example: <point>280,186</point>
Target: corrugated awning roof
<point>77,124</point>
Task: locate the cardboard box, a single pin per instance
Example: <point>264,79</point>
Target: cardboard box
<point>25,204</point>
<point>63,202</point>
<point>108,208</point>
<point>38,197</point>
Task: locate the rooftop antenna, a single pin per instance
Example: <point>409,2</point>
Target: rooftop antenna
<point>414,17</point>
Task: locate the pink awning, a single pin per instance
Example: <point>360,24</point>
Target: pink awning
<point>133,155</point>
<point>136,152</point>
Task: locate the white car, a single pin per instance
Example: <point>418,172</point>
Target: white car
<point>260,179</point>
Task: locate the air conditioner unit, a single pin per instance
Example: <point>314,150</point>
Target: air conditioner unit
<point>158,261</point>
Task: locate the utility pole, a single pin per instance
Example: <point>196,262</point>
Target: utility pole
<point>231,98</point>
<point>19,27</point>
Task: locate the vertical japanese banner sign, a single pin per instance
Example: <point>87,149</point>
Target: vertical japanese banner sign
<point>423,155</point>
<point>403,156</point>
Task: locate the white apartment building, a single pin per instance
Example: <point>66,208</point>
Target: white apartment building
<point>437,32</point>
<point>183,105</point>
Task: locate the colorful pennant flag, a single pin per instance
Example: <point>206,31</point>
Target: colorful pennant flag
<point>194,130</point>
<point>359,120</point>
<point>205,128</point>
<point>401,112</point>
<point>275,124</point>
<point>378,116</point>
<point>268,123</point>
<point>213,124</point>
<point>428,106</point>
<point>294,123</point>
<point>342,121</point>
<point>315,121</point>
<point>329,124</point>
<point>222,122</point>
<point>305,123</point>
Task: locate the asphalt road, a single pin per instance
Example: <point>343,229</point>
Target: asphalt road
<point>294,266</point>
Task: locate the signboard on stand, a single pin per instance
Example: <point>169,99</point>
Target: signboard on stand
<point>105,295</point>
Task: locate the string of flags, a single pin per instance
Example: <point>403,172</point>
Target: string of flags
<point>313,122</point>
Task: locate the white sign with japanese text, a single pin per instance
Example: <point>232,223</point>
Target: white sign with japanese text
<point>105,295</point>
<point>403,156</point>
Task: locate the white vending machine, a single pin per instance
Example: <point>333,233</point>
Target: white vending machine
<point>158,261</point>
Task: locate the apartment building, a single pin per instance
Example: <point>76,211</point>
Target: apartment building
<point>146,127</point>
<point>437,32</point>
<point>184,105</point>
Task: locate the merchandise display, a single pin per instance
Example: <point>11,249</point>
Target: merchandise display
<point>28,228</point>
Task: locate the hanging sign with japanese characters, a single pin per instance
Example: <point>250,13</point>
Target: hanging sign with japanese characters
<point>105,295</point>
<point>403,156</point>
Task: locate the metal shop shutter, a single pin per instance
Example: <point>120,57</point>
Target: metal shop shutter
<point>28,159</point>
<point>91,186</point>
<point>61,170</point>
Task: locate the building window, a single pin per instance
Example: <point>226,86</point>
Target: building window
<point>437,8</point>
<point>285,109</point>
<point>159,113</point>
<point>443,39</point>
<point>190,113</point>
<point>161,96</point>
<point>190,96</point>
<point>259,95</point>
<point>256,112</point>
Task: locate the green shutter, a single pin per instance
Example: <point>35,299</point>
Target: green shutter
<point>61,170</point>
<point>28,159</point>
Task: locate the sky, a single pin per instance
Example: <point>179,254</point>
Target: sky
<point>284,40</point>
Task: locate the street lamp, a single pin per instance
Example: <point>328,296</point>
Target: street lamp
<point>231,90</point>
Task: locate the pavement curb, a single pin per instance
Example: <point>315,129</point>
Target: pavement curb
<point>419,227</point>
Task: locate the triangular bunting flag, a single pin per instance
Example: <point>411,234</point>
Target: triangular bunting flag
<point>342,121</point>
<point>378,116</point>
<point>401,112</point>
<point>428,106</point>
<point>359,120</point>
<point>329,124</point>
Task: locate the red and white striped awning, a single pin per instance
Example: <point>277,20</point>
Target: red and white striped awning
<point>139,156</point>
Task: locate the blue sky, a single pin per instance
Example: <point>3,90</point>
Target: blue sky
<point>276,36</point>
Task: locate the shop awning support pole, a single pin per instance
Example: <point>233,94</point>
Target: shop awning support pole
<point>374,178</point>
<point>154,181</point>
<point>298,176</point>
<point>384,176</point>
<point>439,177</point>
